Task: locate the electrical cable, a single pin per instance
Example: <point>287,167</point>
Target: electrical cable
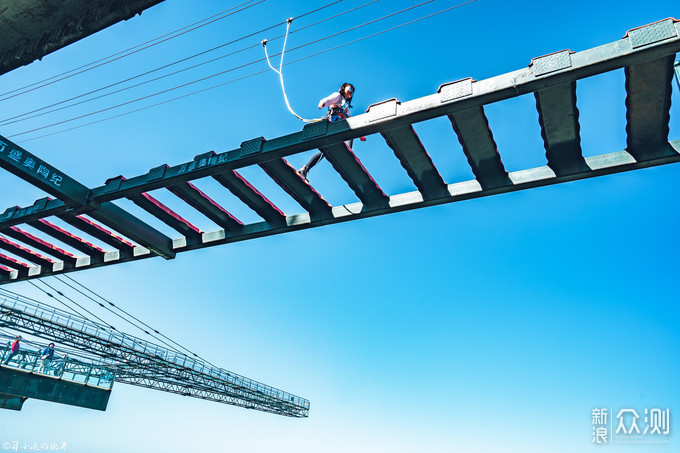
<point>122,56</point>
<point>128,49</point>
<point>74,348</point>
<point>23,116</point>
<point>219,73</point>
<point>242,77</point>
<point>183,349</point>
<point>179,349</point>
<point>66,305</point>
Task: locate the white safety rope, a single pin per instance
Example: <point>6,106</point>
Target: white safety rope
<point>280,73</point>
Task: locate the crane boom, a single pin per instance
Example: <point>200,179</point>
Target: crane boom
<point>138,362</point>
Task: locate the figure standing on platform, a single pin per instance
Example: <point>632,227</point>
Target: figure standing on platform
<point>14,349</point>
<point>46,356</point>
<point>338,104</point>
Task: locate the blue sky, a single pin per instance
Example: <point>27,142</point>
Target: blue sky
<point>488,325</point>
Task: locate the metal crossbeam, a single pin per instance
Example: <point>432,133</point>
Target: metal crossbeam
<point>39,173</point>
<point>289,180</point>
<point>124,247</point>
<point>558,116</point>
<point>648,86</point>
<point>206,206</point>
<point>16,233</point>
<point>11,263</point>
<point>416,161</point>
<point>646,54</point>
<point>93,252</point>
<point>353,172</point>
<point>248,194</point>
<point>479,147</point>
<point>167,216</point>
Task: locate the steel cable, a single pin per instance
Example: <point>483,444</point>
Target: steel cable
<point>23,116</point>
<point>222,72</point>
<point>127,50</point>
<point>227,82</point>
<point>130,53</point>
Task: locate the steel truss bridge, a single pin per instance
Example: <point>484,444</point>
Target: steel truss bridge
<point>646,54</point>
<point>137,362</point>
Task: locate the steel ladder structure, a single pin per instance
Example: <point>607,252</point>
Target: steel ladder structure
<point>645,53</point>
<point>138,362</point>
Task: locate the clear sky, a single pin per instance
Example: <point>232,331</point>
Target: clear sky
<point>490,325</point>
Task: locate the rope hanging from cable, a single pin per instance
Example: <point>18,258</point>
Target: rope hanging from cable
<point>280,73</point>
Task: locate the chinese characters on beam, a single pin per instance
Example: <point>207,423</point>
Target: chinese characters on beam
<point>31,164</point>
<point>652,426</point>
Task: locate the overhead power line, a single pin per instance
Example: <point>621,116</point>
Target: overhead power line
<point>136,321</point>
<point>49,294</point>
<point>24,116</point>
<point>131,52</point>
<point>237,79</point>
<point>221,72</point>
<point>132,48</point>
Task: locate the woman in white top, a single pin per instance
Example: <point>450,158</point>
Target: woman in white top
<point>338,105</point>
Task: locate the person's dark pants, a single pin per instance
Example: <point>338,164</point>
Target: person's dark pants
<point>9,357</point>
<point>316,158</point>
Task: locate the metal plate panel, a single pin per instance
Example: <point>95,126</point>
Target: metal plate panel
<point>551,63</point>
<point>253,146</point>
<point>651,33</point>
<point>316,129</point>
<point>156,173</point>
<point>382,110</point>
<point>455,90</point>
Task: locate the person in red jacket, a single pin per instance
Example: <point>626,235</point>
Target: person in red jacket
<point>14,349</point>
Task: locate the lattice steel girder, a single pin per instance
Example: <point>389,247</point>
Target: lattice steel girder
<point>552,77</point>
<point>142,363</point>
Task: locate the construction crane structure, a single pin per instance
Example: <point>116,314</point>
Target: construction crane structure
<point>123,358</point>
<point>646,54</point>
